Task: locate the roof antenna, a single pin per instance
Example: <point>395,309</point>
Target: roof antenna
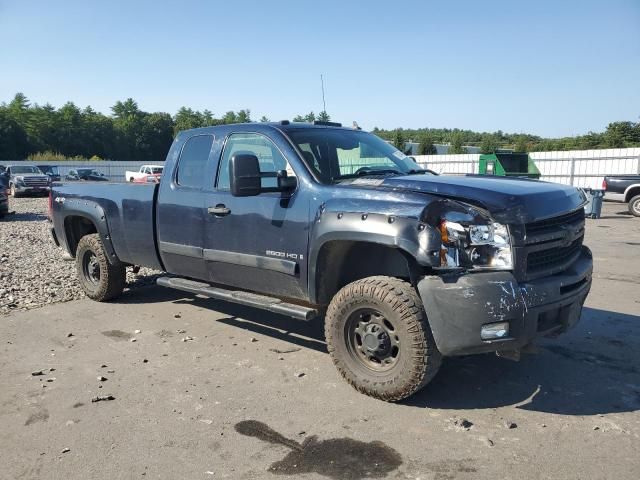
<point>324,105</point>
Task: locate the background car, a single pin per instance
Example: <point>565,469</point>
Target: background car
<point>51,171</point>
<point>25,179</point>
<point>147,179</point>
<point>143,171</point>
<point>88,174</point>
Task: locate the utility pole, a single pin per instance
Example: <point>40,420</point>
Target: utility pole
<point>324,105</point>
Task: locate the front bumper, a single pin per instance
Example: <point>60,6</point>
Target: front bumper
<point>457,306</point>
<point>30,189</point>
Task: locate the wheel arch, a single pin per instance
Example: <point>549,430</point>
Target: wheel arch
<point>340,261</point>
<point>89,219</point>
<point>631,192</point>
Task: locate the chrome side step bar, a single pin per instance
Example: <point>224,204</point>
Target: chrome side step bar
<point>243,298</point>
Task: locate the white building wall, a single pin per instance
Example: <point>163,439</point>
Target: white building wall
<point>581,168</point>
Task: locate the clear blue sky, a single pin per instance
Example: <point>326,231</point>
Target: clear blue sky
<point>551,68</point>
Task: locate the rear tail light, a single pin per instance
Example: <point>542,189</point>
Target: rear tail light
<point>50,205</point>
<point>604,183</point>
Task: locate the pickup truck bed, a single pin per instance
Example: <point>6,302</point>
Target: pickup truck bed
<point>125,216</point>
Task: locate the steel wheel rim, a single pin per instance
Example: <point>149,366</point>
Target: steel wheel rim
<point>636,206</point>
<point>372,340</point>
<point>91,267</point>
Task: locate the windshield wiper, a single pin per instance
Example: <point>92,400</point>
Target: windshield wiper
<point>417,171</point>
<point>377,171</point>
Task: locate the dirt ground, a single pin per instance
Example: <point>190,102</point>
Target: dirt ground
<point>211,390</point>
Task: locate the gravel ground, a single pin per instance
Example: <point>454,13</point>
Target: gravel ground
<point>33,272</point>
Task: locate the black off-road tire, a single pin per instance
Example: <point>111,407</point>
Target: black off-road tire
<point>418,359</point>
<point>111,278</point>
<point>634,206</point>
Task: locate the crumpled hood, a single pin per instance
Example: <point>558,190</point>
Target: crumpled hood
<point>508,200</point>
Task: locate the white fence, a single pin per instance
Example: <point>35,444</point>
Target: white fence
<point>581,168</point>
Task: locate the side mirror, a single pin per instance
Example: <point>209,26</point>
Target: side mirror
<point>244,172</point>
<point>285,182</point>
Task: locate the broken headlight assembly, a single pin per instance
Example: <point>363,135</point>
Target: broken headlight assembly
<point>475,246</point>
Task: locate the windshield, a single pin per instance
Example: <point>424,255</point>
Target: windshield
<point>49,170</point>
<point>335,155</point>
<point>88,171</point>
<point>25,169</point>
<point>156,170</point>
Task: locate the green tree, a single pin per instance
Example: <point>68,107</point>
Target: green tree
<point>264,119</point>
<point>13,139</point>
<point>298,118</point>
<point>186,119</point>
<point>244,116</point>
<point>521,144</point>
<point>456,144</point>
<point>155,138</point>
<point>489,143</point>
<point>426,145</point>
<point>229,117</point>
<point>323,116</point>
<point>398,140</point>
<point>310,117</point>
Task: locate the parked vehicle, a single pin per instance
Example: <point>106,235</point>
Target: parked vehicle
<point>144,171</point>
<point>88,174</point>
<point>298,219</point>
<point>624,188</point>
<point>147,179</point>
<point>51,171</point>
<point>26,179</point>
<point>4,194</point>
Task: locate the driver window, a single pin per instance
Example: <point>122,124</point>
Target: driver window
<point>269,157</point>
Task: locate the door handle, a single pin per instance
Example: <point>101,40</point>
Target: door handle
<point>219,210</point>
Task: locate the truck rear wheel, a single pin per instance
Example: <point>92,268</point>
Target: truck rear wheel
<point>379,339</point>
<point>100,280</point>
<point>634,206</point>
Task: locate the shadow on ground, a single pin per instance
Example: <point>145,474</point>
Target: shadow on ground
<point>594,369</point>
<point>25,217</point>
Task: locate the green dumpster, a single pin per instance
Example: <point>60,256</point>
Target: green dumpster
<point>508,165</point>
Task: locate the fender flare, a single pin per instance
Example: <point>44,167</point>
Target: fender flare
<point>92,211</point>
<point>411,237</point>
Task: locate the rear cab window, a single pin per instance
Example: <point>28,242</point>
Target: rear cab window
<point>193,161</point>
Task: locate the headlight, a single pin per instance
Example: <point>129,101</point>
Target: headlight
<point>20,180</point>
<point>481,246</point>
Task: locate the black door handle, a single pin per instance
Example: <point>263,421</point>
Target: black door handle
<point>219,210</point>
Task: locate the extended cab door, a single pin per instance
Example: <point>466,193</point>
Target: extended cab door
<point>257,243</point>
<point>180,218</point>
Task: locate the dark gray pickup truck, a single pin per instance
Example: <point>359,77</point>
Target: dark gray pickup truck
<point>404,267</point>
<point>624,188</point>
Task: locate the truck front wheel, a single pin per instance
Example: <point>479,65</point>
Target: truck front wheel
<point>379,339</point>
<point>634,206</point>
<point>100,280</point>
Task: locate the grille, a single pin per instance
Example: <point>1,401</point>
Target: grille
<point>553,224</point>
<point>36,181</point>
<point>544,260</point>
<point>552,245</point>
